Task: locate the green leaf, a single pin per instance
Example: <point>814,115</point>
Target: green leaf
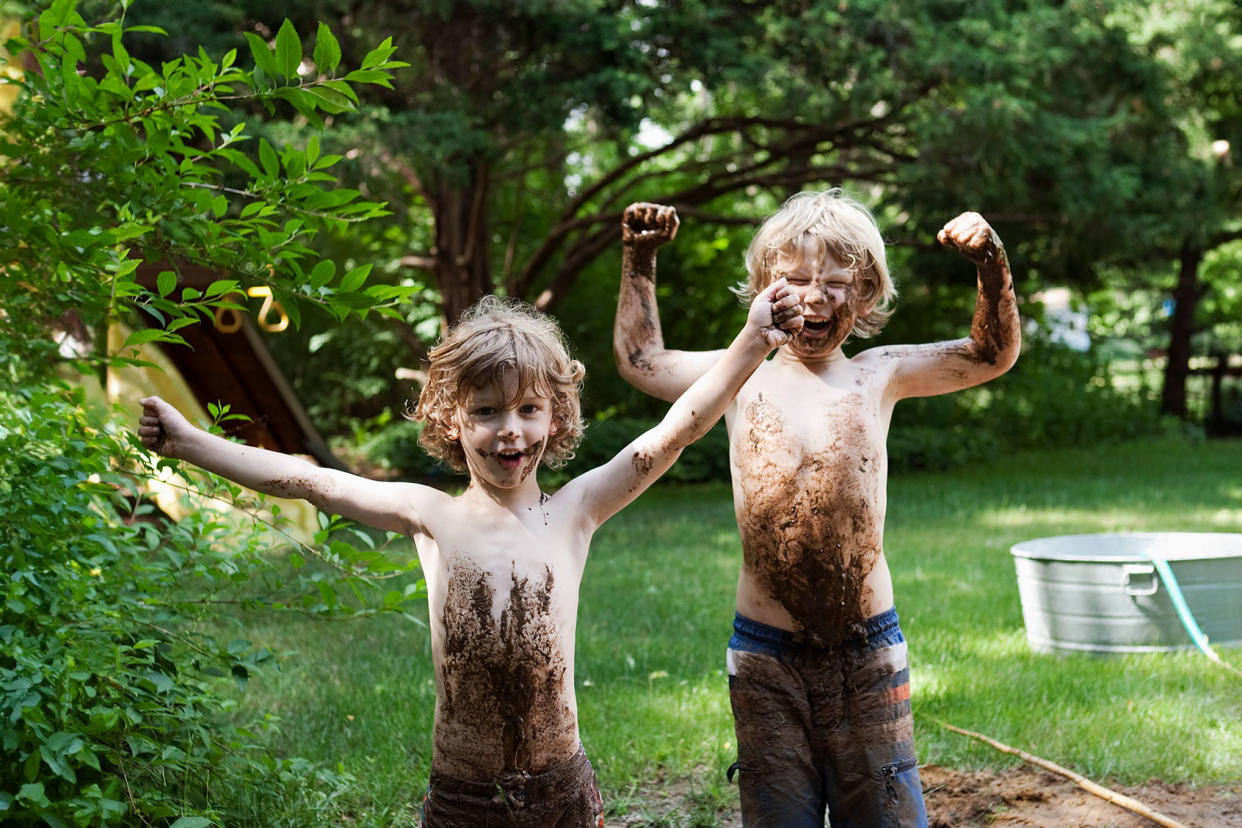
<point>379,54</point>
<point>327,51</point>
<point>288,50</point>
<point>163,684</point>
<point>191,822</point>
<point>267,157</point>
<point>33,793</point>
<point>374,76</point>
<point>322,273</point>
<point>354,279</point>
<point>166,282</point>
<point>142,337</point>
<point>263,57</point>
<point>327,595</point>
<point>329,100</point>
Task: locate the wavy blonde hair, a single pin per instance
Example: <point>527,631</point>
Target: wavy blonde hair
<point>812,225</point>
<point>496,338</point>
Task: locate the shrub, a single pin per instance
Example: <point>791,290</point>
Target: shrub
<point>117,697</point>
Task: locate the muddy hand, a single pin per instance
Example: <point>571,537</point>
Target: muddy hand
<point>973,237</point>
<point>158,425</point>
<point>779,313</point>
<point>648,224</point>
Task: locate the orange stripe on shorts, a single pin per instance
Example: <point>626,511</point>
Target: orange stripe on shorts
<point>898,694</point>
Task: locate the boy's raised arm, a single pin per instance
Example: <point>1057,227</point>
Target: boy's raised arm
<point>995,331</point>
<point>775,315</point>
<point>637,341</point>
<point>387,506</point>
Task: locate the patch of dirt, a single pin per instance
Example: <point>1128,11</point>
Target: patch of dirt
<point>1026,795</point>
<point>1021,795</point>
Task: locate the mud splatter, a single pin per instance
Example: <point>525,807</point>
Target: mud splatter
<point>532,455</point>
<point>291,487</point>
<point>990,334</point>
<point>502,705</point>
<point>810,533</point>
<point>639,361</point>
<point>643,461</point>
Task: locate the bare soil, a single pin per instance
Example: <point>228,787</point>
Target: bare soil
<point>1021,795</point>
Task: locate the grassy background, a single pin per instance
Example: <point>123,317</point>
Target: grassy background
<point>656,613</point>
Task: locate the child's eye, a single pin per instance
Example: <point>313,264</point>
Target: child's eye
<point>529,408</point>
<point>484,410</point>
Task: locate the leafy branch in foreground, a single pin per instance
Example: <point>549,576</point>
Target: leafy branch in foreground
<point>120,682</point>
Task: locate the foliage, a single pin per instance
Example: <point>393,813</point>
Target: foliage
<point>1053,396</point>
<point>116,173</point>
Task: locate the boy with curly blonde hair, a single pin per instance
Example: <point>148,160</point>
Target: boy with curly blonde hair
<point>818,675</point>
<point>503,560</point>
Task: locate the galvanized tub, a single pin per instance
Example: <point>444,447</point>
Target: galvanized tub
<point>1101,592</point>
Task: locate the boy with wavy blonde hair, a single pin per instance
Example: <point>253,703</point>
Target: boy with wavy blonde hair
<point>503,560</point>
<point>818,676</point>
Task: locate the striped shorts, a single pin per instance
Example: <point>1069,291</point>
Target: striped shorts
<point>824,730</point>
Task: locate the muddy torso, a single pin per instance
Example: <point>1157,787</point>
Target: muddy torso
<point>503,616</point>
<point>807,449</point>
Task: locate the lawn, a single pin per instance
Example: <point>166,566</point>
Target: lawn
<point>656,613</point>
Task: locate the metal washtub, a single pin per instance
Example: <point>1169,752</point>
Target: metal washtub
<point>1103,592</point>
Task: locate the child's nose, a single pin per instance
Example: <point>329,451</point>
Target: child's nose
<point>816,295</point>
<point>509,425</point>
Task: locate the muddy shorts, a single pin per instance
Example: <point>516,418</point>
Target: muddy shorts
<point>565,796</point>
<point>824,728</point>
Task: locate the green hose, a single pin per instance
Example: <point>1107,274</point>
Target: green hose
<point>1183,611</point>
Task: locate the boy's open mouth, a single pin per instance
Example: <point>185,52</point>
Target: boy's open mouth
<point>816,328</point>
<point>510,458</point>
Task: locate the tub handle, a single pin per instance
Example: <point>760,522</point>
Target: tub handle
<point>1147,587</point>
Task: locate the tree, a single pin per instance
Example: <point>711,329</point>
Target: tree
<point>1198,43</point>
<point>525,128</point>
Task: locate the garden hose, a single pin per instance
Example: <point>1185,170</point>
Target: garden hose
<point>1183,612</point>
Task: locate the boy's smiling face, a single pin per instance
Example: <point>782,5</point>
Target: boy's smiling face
<point>827,291</point>
<point>503,431</point>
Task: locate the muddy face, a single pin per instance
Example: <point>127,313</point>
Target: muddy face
<point>526,459</point>
<point>810,535</point>
<point>503,678</point>
<point>823,336</point>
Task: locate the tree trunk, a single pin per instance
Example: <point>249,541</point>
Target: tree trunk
<point>462,267</point>
<point>1181,327</point>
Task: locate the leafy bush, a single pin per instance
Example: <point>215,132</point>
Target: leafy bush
<point>118,695</point>
<point>1053,397</point>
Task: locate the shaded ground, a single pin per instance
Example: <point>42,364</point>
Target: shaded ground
<point>1021,795</point>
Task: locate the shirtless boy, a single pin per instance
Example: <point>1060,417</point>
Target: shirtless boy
<point>818,677</point>
<point>503,560</point>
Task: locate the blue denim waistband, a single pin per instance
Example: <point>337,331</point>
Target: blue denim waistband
<point>881,630</point>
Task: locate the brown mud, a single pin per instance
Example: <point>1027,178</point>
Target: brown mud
<point>503,678</point>
<point>290,487</point>
<point>809,535</point>
<point>1018,796</point>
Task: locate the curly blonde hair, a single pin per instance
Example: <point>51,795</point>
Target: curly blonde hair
<point>812,225</point>
<point>495,338</point>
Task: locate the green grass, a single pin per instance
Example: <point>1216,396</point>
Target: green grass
<point>656,613</point>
